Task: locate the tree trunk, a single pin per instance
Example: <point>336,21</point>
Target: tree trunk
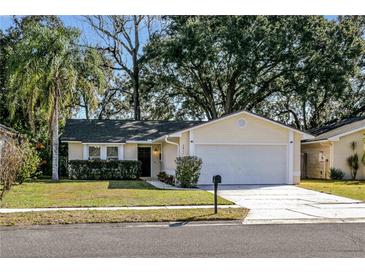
<point>136,103</point>
<point>55,140</point>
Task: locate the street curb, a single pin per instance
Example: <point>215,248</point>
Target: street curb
<point>303,221</point>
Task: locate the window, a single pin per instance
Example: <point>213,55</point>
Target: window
<point>94,153</point>
<point>112,153</point>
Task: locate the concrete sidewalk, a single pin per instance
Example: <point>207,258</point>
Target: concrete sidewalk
<point>20,210</point>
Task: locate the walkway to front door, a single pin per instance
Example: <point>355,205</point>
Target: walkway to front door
<point>144,155</point>
<point>290,204</point>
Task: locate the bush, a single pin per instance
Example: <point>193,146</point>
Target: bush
<point>162,176</point>
<point>188,170</point>
<point>104,170</point>
<point>353,162</point>
<point>18,162</point>
<point>30,162</point>
<point>336,174</point>
<point>10,163</point>
<point>165,178</point>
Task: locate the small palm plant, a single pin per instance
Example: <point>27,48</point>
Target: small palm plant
<point>353,161</point>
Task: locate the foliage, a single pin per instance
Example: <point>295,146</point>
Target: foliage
<point>43,76</point>
<point>162,176</point>
<point>10,163</point>
<point>353,161</point>
<point>165,178</point>
<point>188,170</point>
<point>336,174</point>
<point>291,68</point>
<point>92,81</point>
<point>30,162</point>
<point>104,170</point>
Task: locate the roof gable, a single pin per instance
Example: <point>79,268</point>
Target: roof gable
<point>308,135</point>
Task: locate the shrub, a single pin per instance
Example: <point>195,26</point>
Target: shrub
<point>168,179</point>
<point>162,176</point>
<point>104,170</point>
<point>30,162</point>
<point>10,162</point>
<point>353,161</point>
<point>336,174</point>
<point>188,170</point>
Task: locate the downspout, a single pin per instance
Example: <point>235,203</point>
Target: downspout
<point>172,143</point>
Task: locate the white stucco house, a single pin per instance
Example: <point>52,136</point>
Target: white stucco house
<point>332,146</point>
<point>244,148</point>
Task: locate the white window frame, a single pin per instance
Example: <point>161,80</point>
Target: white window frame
<point>113,157</point>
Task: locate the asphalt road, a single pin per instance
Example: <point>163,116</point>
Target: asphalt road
<point>121,240</point>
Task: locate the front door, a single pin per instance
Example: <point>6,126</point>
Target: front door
<point>144,156</point>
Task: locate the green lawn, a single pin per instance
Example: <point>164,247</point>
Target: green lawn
<point>100,193</point>
<point>119,216</point>
<point>350,189</point>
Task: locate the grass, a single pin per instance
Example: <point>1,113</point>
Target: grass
<point>350,189</point>
<point>65,193</point>
<point>119,216</point>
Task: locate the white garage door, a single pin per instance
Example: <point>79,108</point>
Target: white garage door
<point>243,164</point>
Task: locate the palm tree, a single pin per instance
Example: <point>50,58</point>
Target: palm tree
<point>43,76</point>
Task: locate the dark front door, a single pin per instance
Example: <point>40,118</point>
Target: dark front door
<point>144,155</point>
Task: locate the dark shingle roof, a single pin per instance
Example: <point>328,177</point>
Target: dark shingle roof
<point>334,124</point>
<point>120,131</point>
<point>336,128</point>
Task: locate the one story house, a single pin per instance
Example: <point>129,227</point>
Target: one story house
<point>332,146</point>
<point>244,148</point>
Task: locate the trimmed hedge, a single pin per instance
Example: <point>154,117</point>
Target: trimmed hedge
<point>104,170</point>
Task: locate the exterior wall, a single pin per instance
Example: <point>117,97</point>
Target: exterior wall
<point>75,151</point>
<point>317,169</point>
<point>130,152</point>
<point>184,144</point>
<point>169,154</point>
<point>227,131</point>
<point>342,150</point>
<point>296,165</point>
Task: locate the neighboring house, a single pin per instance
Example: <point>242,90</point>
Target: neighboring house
<point>332,146</point>
<point>242,147</point>
<point>6,133</point>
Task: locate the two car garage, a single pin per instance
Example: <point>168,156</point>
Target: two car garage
<point>245,148</point>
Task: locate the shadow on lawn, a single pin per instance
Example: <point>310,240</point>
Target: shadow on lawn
<point>129,185</point>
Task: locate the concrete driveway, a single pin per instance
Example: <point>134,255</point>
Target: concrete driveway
<point>291,204</point>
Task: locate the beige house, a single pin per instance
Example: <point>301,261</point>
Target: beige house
<point>331,147</point>
<point>243,148</point>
